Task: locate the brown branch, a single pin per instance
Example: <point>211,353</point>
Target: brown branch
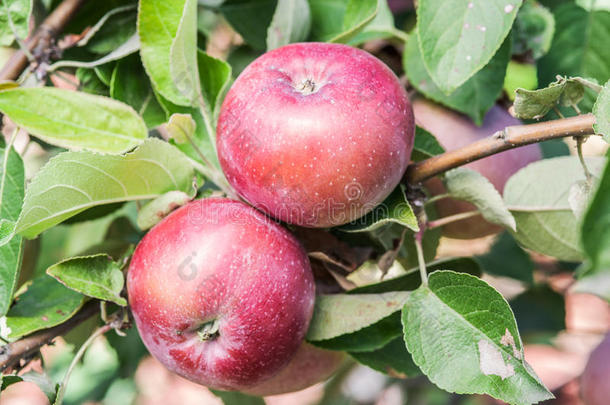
<point>51,26</point>
<point>29,345</point>
<point>511,137</point>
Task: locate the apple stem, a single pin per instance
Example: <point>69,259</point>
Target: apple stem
<point>436,198</point>
<point>209,330</point>
<point>306,87</point>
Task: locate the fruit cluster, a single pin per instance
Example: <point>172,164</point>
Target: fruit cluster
<point>313,135</point>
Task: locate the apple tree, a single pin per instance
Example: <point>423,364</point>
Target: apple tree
<point>264,195</point>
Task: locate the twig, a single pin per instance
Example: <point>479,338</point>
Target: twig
<point>13,352</point>
<point>421,261</point>
<point>50,27</point>
<point>452,218</point>
<point>511,137</point>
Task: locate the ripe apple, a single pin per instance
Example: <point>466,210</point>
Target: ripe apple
<point>220,294</point>
<point>315,134</point>
<point>453,131</point>
<point>594,387</point>
<point>309,366</point>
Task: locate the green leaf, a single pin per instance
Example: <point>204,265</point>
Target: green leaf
<point>412,280</point>
<point>215,79</point>
<point>41,380</point>
<point>127,48</point>
<point>340,20</point>
<point>94,276</point>
<point>154,211</point>
<point>533,30</point>
<point>14,15</point>
<point>601,109</point>
<point>475,97</point>
<point>291,23</point>
<point>340,314</point>
<point>394,209</point>
<point>507,259</point>
<point>519,75</point>
<point>181,128</point>
<point>89,82</point>
<point>380,27</point>
<point>239,13</point>
<point>74,181</point>
<point>44,303</point>
<point>130,85</point>
<point>237,398</point>
<point>580,45</point>
<point>537,196</point>
<point>595,231</point>
<point>468,185</point>
<point>594,4</point>
<point>369,338</point>
<point>112,30</point>
<point>462,334</point>
<point>392,359</point>
<point>539,310</point>
<point>74,120</point>
<point>535,104</point>
<point>168,32</point>
<point>457,37</point>
<point>425,145</point>
<point>12,186</point>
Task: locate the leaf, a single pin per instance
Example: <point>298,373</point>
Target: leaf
<point>71,182</point>
<point>425,145</point>
<point>167,31</point>
<point>291,23</point>
<point>89,82</point>
<point>457,37</point>
<point>237,398</point>
<point>181,127</point>
<point>601,109</point>
<point>394,209</point>
<point>463,336</point>
<point>578,197</point>
<point>239,14</point>
<point>12,185</point>
<point>369,338</point>
<point>41,380</point>
<point>468,185</point>
<point>594,4</point>
<point>94,276</point>
<point>340,20</point>
<point>595,231</point>
<point>537,103</point>
<point>412,280</point>
<point>112,30</point>
<point>475,97</point>
<point>130,85</point>
<point>153,212</point>
<point>539,310</point>
<point>533,30</point>
<point>580,45</point>
<point>380,27</point>
<point>340,314</point>
<point>127,48</point>
<point>74,120</point>
<point>215,79</point>
<point>392,359</point>
<point>14,20</point>
<point>537,196</point>
<point>507,259</point>
<point>44,304</point>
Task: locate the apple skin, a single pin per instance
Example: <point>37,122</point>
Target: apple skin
<point>309,366</point>
<point>594,387</point>
<point>453,131</point>
<point>219,259</point>
<point>315,134</point>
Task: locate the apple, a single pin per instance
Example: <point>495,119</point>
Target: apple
<point>309,366</point>
<point>453,131</point>
<point>221,294</point>
<point>594,387</point>
<point>315,134</point>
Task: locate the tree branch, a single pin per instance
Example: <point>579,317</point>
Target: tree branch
<point>511,137</point>
<point>11,353</point>
<point>51,26</point>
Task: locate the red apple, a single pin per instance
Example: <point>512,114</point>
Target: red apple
<point>594,382</point>
<point>309,366</point>
<point>220,294</point>
<point>315,134</point>
<point>453,131</point>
